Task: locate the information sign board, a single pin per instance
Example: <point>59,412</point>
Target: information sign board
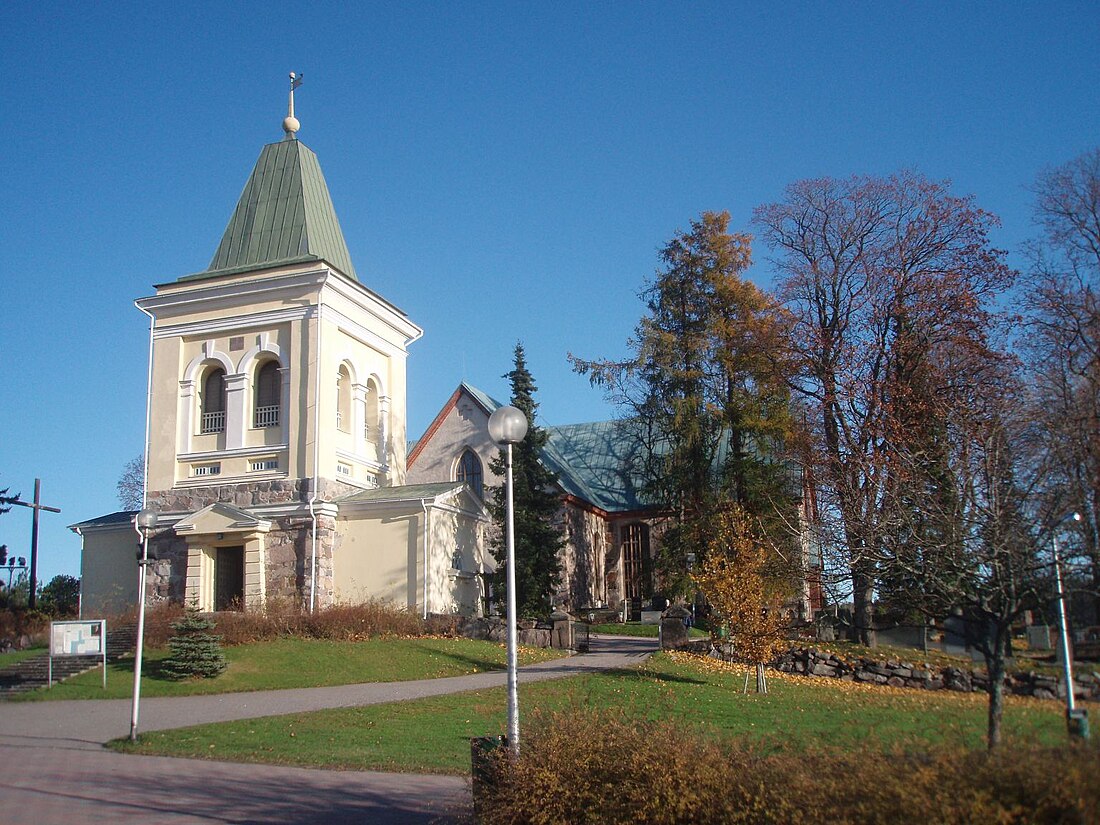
<point>78,638</point>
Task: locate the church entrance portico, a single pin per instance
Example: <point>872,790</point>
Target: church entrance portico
<point>226,557</point>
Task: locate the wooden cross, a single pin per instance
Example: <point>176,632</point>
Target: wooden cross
<point>37,506</point>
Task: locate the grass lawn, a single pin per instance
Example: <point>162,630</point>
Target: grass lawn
<point>299,663</point>
<point>649,631</point>
<point>432,735</point>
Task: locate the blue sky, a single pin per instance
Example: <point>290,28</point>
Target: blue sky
<point>502,172</point>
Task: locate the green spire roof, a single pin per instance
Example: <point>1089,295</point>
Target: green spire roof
<point>285,215</point>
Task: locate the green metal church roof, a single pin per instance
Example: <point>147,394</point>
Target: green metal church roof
<point>595,462</point>
<point>284,215</point>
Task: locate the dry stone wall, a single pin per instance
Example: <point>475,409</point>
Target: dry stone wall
<point>812,662</point>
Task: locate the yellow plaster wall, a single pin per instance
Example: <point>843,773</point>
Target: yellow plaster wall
<point>366,341</point>
<point>379,557</point>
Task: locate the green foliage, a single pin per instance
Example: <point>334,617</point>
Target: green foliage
<point>195,651</point>
<point>60,597</point>
<point>658,772</point>
<point>706,391</point>
<point>15,596</point>
<point>6,501</point>
<point>536,502</point>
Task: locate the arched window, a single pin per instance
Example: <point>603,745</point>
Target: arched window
<point>343,399</point>
<point>469,470</point>
<point>268,390</point>
<point>213,401</point>
<point>634,540</point>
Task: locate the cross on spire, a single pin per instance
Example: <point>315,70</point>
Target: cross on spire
<point>290,123</point>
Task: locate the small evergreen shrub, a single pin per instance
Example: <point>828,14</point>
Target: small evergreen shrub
<point>195,651</point>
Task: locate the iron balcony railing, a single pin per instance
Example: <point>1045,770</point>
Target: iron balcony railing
<point>266,417</point>
<point>213,422</point>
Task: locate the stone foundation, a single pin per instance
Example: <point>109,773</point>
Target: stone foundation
<point>917,675</point>
<point>248,494</point>
<point>288,546</point>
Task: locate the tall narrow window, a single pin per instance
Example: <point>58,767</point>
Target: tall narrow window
<point>268,389</point>
<point>213,401</point>
<point>635,547</point>
<point>371,430</point>
<point>343,399</point>
<point>469,470</point>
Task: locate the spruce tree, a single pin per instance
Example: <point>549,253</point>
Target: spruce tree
<point>195,651</point>
<point>536,501</point>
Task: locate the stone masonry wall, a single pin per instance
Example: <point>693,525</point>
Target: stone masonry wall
<point>288,545</point>
<point>919,675</point>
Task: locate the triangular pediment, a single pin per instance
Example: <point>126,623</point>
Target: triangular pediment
<point>222,518</point>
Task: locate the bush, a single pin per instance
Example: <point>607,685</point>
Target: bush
<point>195,652</point>
<point>14,624</point>
<point>285,618</point>
<point>60,598</point>
<point>658,773</point>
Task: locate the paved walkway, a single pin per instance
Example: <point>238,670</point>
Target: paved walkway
<point>53,768</point>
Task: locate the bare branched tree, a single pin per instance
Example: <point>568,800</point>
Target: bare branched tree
<point>1064,345</point>
<point>878,274</point>
<point>131,484</point>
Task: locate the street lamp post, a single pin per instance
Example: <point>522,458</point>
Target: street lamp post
<point>145,523</point>
<point>694,591</point>
<point>508,426</point>
<point>1075,726</point>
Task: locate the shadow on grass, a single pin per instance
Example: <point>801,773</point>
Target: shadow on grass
<point>478,663</point>
<point>635,675</point>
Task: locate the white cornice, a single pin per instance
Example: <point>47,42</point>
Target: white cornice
<point>381,309</point>
<point>359,459</point>
<point>436,502</point>
<point>240,452</point>
<point>186,295</point>
<point>234,323</point>
<point>361,333</point>
<point>195,296</point>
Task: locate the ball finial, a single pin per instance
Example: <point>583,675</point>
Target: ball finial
<point>290,123</point>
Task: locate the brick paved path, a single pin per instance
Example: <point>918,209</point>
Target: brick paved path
<point>53,768</point>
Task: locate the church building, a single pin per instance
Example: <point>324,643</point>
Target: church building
<point>276,446</point>
<point>277,452</point>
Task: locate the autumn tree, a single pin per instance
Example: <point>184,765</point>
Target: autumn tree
<point>703,391</point>
<point>882,277</point>
<point>746,582</point>
<point>536,503</point>
<point>1063,345</point>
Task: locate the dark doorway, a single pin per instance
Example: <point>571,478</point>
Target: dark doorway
<point>229,578</point>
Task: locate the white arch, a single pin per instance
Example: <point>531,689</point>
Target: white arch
<point>208,355</point>
<point>349,363</point>
<point>378,385</point>
<point>249,359</point>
